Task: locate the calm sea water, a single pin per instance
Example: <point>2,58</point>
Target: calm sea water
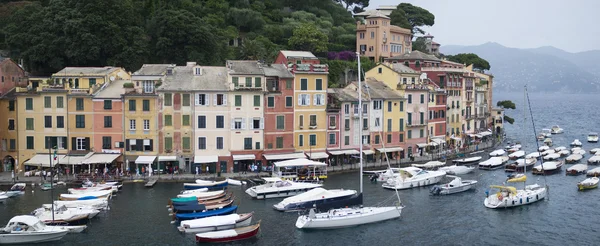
<point>138,215</point>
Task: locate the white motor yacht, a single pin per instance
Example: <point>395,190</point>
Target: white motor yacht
<point>216,223</point>
<point>276,187</point>
<point>72,216</point>
<point>592,137</point>
<point>15,190</point>
<point>493,163</point>
<point>508,196</point>
<point>411,177</point>
<point>498,152</point>
<point>457,170</point>
<point>576,143</point>
<point>26,229</point>
<point>455,186</point>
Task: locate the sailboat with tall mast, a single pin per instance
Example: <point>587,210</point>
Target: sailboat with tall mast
<point>351,216</point>
<point>510,196</point>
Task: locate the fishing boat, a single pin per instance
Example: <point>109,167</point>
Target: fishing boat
<point>516,155</point>
<point>204,195</point>
<point>319,198</point>
<point>595,151</point>
<point>230,235</point>
<point>536,155</point>
<point>199,207</point>
<point>543,148</point>
<point>520,165</point>
<point>411,177</point>
<point>216,223</point>
<point>577,169</point>
<point>467,161</point>
<point>209,185</point>
<point>86,196</point>
<point>560,148</point>
<point>564,153</point>
<point>209,213</point>
<point>576,143</point>
<point>594,172</point>
<point>578,151</point>
<point>573,158</point>
<point>547,168</point>
<point>493,163</point>
<point>355,215</point>
<point>498,152</point>
<point>457,170</point>
<point>455,186</point>
<point>588,184</point>
<point>26,229</point>
<point>276,187</point>
<point>551,157</point>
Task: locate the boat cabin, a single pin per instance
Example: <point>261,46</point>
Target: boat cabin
<point>300,169</point>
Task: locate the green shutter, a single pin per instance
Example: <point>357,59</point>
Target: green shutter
<point>319,85</point>
<point>168,99</point>
<point>145,105</point>
<point>185,142</point>
<point>131,105</point>
<point>288,102</point>
<point>28,103</point>
<point>59,102</point>
<point>238,100</point>
<point>256,101</point>
<point>47,102</point>
<point>168,143</point>
<point>280,122</point>
<point>168,120</point>
<point>257,82</point>
<point>248,81</point>
<point>235,81</point>
<point>270,102</point>
<point>29,124</point>
<point>186,120</point>
<point>186,100</point>
<point>79,103</point>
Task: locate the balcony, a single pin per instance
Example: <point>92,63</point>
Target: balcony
<point>243,87</point>
<point>416,124</point>
<point>308,68</point>
<point>480,89</point>
<point>79,91</point>
<point>272,89</point>
<point>443,69</point>
<point>413,87</point>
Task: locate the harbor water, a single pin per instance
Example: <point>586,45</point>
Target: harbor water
<point>138,215</point>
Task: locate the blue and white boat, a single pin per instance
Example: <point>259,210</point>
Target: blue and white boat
<point>198,215</point>
<point>205,184</point>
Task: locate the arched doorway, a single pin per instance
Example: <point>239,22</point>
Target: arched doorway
<point>8,164</point>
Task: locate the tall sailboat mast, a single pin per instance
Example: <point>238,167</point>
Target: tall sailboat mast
<point>360,124</point>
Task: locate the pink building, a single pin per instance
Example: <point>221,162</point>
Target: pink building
<point>345,100</point>
<point>11,75</point>
<point>416,119</point>
<point>107,107</point>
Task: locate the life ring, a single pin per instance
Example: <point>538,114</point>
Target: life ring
<point>500,197</point>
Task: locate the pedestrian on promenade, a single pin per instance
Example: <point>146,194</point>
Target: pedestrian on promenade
<point>44,174</point>
<point>196,172</point>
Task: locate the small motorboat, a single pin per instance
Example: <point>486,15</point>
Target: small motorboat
<point>546,132</point>
<point>194,191</point>
<point>27,229</point>
<point>204,195</point>
<point>16,189</point>
<point>205,184</point>
<point>198,215</point>
<point>551,157</point>
<point>578,150</point>
<point>543,148</point>
<point>493,163</point>
<point>576,143</point>
<point>230,235</point>
<point>276,187</point>
<point>467,161</point>
<point>86,196</point>
<point>594,160</point>
<point>548,142</point>
<point>592,137</point>
<point>412,177</point>
<point>457,170</point>
<point>577,169</point>
<point>595,150</point>
<point>548,168</point>
<point>535,155</point>
<point>235,182</point>
<point>216,223</point>
<point>516,155</point>
<point>560,148</point>
<point>100,204</point>
<point>587,184</point>
<point>46,186</point>
<point>455,186</point>
<point>321,198</point>
<point>516,146</point>
<point>564,153</point>
<point>594,172</point>
<point>520,165</point>
<point>65,216</point>
<point>498,152</point>
<point>87,189</point>
<point>547,152</point>
<point>556,130</point>
<point>430,165</point>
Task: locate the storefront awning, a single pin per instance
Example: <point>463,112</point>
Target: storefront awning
<point>243,157</point>
<point>284,156</point>
<point>317,155</point>
<point>205,159</point>
<point>387,150</point>
<point>167,158</point>
<point>145,159</point>
<point>72,160</point>
<point>422,145</point>
<point>101,159</point>
<point>43,160</point>
<point>344,152</point>
<point>298,163</point>
<point>486,133</point>
<point>368,152</point>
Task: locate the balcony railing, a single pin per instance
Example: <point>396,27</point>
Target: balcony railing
<point>416,124</point>
<point>418,87</point>
<point>444,69</point>
<point>79,91</point>
<point>316,68</point>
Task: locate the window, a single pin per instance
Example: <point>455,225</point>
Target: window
<point>347,124</point>
<point>132,125</point>
<point>131,105</point>
<point>29,142</point>
<point>279,142</point>
<point>319,99</point>
<point>389,138</point>
<point>168,99</point>
<point>421,118</point>
<point>219,142</point>
<point>409,98</point>
<point>247,143</point>
<point>92,82</point>
<point>377,139</point>
<point>11,124</point>
<point>421,133</point>
<point>365,124</point>
<point>47,121</point>
<point>409,134</point>
<point>60,122</point>
<point>29,124</point>
<point>248,81</point>
<point>12,144</point>
<point>11,105</point>
<point>271,102</point>
<point>301,121</point>
<point>168,143</point>
<point>389,106</point>
<point>106,142</point>
<point>202,99</point>
<point>280,122</point>
<point>300,140</point>
<point>366,139</point>
<point>332,121</point>
<point>47,102</point>
<point>168,120</point>
<point>256,123</point>
<point>422,98</point>
<point>80,144</point>
<point>79,121</point>
<point>257,82</point>
<point>303,84</point>
<point>288,84</point>
<point>313,120</point>
<point>332,138</point>
<point>202,121</point>
<point>78,104</point>
<point>185,101</point>
<point>288,102</point>
<point>202,142</point>
<point>256,101</point>
<point>379,70</point>
<point>312,138</point>
<point>238,123</point>
<point>346,140</point>
<point>377,105</point>
<point>377,122</point>
<point>147,144</point>
<point>148,86</point>
<point>389,125</point>
<point>146,125</point>
<point>235,81</point>
<point>107,121</point>
<point>145,106</point>
<point>28,103</point>
<point>304,100</point>
<point>401,137</point>
<point>372,35</point>
<point>220,121</point>
<point>319,84</point>
<point>221,100</point>
<point>409,119</point>
<point>107,104</point>
<point>401,127</point>
<point>401,106</point>
<point>238,100</point>
<point>346,108</point>
<point>185,120</point>
<point>185,143</point>
<point>257,145</point>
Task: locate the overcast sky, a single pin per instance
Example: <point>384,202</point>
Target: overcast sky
<point>568,25</point>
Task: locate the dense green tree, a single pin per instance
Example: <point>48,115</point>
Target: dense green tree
<point>412,17</point>
<point>470,58</point>
<point>507,104</point>
<point>419,44</point>
<point>246,20</point>
<point>308,37</point>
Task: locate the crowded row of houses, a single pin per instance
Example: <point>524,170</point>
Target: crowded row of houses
<point>226,118</point>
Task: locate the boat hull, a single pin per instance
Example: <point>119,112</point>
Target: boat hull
<point>238,237</point>
<point>215,185</point>
<point>526,197</point>
<point>446,190</point>
<point>27,238</point>
<point>582,187</point>
<point>365,215</point>
<point>275,194</point>
<point>322,205</point>
<point>223,211</point>
<point>401,185</point>
<point>242,223</point>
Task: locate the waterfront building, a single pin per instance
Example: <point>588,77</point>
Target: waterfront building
<point>377,39</point>
<point>469,116</point>
<point>107,124</point>
<point>11,77</point>
<point>310,90</point>
<point>431,46</point>
<point>437,116</point>
<point>498,120</point>
<point>141,115</point>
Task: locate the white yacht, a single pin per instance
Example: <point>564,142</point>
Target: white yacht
<point>509,196</point>
<point>411,177</point>
<point>26,229</point>
<point>556,130</point>
<point>592,137</point>
<point>71,216</point>
<point>457,170</point>
<point>498,152</point>
<point>576,143</point>
<point>317,197</point>
<point>276,187</point>
<point>493,163</point>
<point>516,155</point>
<point>455,186</point>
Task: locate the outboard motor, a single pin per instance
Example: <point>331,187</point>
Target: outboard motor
<point>435,190</point>
<point>374,178</point>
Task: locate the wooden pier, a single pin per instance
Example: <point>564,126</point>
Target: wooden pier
<point>151,183</point>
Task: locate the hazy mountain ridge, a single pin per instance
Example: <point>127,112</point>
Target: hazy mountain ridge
<point>546,69</point>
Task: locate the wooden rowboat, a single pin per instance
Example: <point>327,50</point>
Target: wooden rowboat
<point>229,235</point>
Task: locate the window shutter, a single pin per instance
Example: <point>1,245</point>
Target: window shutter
<point>323,98</point>
<point>315,99</point>
<point>151,145</point>
<point>243,123</point>
<point>127,145</point>
<point>196,99</point>
<point>233,124</point>
<point>225,99</point>
<point>207,100</point>
<point>214,99</point>
<point>139,144</point>
<point>73,143</point>
<point>300,99</point>
<point>262,123</point>
<point>87,144</point>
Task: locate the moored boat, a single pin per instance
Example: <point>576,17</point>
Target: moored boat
<point>543,148</point>
<point>493,163</point>
<point>564,153</point>
<point>198,215</point>
<point>520,165</point>
<point>457,170</point>
<point>276,187</point>
<point>587,184</point>
<point>16,189</point>
<point>204,195</point>
<point>216,223</point>
<point>594,172</point>
<point>230,235</point>
<point>536,155</point>
<point>86,196</point>
<point>319,198</point>
<point>577,169</point>
<point>509,196</point>
<point>429,165</point>
<point>467,161</point>
<point>595,150</point>
<point>573,158</point>
<point>556,129</point>
<point>455,186</point>
<point>548,142</point>
<point>516,155</point>
<point>235,182</point>
<point>411,177</point>
<point>551,157</point>
<point>576,143</point>
<point>498,152</point>
<point>594,160</point>
<point>592,137</point>
<point>209,185</point>
<point>547,168</point>
<point>26,229</point>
